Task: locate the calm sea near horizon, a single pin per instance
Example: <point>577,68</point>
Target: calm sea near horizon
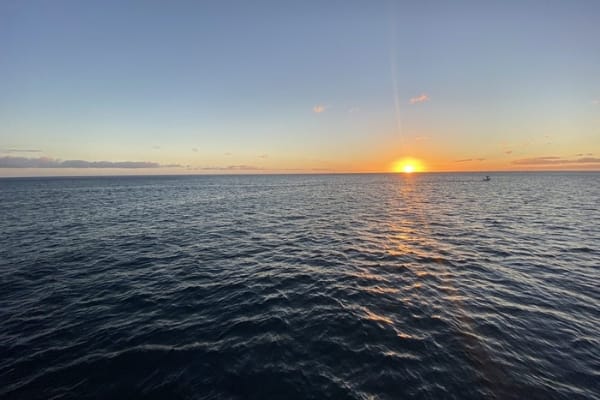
<point>375,286</point>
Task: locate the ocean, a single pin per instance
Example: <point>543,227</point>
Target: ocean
<point>358,286</point>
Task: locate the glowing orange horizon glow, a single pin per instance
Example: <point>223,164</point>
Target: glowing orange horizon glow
<point>408,166</point>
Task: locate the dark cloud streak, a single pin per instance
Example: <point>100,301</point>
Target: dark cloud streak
<point>21,151</point>
<point>469,160</point>
<point>45,162</point>
<point>556,161</point>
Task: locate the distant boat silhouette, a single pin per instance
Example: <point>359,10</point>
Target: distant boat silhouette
<point>487,178</point>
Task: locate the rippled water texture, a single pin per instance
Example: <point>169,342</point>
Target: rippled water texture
<point>301,287</point>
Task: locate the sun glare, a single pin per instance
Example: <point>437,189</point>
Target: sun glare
<point>407,166</point>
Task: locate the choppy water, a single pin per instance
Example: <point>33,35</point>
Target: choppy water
<point>301,287</point>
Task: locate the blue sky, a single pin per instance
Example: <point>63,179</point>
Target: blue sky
<point>299,86</point>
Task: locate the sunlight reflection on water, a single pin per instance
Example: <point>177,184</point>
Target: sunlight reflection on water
<point>340,286</point>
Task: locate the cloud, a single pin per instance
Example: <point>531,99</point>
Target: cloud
<point>552,160</point>
<point>306,169</point>
<point>469,160</point>
<point>46,162</point>
<point>586,160</point>
<point>319,108</point>
<point>508,152</point>
<point>195,149</point>
<point>263,156</point>
<point>20,151</point>
<point>256,168</point>
<point>240,167</point>
<point>420,99</point>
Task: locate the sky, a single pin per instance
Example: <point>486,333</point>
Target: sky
<point>201,87</point>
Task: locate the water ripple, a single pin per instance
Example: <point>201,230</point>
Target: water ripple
<point>307,287</point>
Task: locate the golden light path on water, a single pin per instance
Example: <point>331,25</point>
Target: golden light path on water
<point>410,236</point>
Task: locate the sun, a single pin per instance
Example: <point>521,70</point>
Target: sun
<point>408,166</point>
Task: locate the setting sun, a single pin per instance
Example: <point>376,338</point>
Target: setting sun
<point>408,165</point>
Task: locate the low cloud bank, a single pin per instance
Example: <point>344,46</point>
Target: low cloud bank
<point>46,162</point>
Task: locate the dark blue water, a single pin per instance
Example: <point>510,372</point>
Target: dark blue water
<point>432,286</point>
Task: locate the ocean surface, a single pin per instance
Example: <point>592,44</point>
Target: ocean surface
<point>425,286</point>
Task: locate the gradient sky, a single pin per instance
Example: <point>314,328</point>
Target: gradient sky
<point>271,86</point>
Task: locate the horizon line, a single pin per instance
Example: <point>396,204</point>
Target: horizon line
<point>305,173</point>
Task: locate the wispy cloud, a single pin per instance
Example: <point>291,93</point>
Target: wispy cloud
<point>240,167</point>
<point>319,108</point>
<point>263,156</point>
<point>20,151</point>
<point>469,160</point>
<point>195,149</point>
<point>250,168</point>
<point>307,169</point>
<point>553,160</point>
<point>46,162</point>
<point>420,99</point>
<point>508,152</point>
